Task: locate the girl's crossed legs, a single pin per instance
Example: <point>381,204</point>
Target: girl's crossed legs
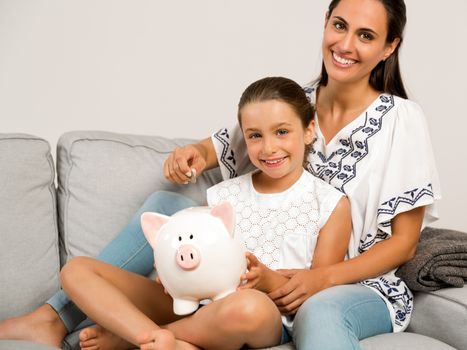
<point>133,306</point>
<point>129,250</point>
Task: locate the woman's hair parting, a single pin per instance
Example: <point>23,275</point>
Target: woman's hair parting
<point>386,75</point>
<point>280,89</point>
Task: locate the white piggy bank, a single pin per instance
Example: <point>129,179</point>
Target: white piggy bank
<point>196,254</point>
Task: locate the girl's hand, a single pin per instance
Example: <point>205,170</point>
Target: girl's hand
<point>158,281</point>
<point>255,276</point>
<point>180,163</point>
<point>301,285</point>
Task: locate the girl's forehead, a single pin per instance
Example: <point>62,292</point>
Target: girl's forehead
<point>270,112</point>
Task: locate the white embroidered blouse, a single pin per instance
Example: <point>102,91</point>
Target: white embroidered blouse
<point>383,162</point>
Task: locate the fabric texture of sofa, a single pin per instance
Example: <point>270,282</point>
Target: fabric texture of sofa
<point>53,211</point>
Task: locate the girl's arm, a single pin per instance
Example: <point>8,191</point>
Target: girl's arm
<point>261,277</point>
<point>379,259</point>
<point>199,156</point>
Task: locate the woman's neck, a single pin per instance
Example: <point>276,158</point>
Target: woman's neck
<point>337,105</point>
<point>341,100</point>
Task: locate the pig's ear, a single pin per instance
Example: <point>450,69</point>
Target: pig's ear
<point>225,212</point>
<point>151,223</point>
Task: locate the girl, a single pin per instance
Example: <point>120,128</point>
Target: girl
<point>284,214</point>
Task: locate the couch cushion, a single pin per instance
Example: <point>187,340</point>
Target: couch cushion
<point>442,314</point>
<point>105,177</point>
<point>392,341</point>
<point>29,257</point>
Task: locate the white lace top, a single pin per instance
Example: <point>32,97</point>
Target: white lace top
<point>280,229</point>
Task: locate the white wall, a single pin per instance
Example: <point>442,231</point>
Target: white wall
<point>177,68</point>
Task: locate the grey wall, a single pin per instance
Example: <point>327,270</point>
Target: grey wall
<point>177,68</point>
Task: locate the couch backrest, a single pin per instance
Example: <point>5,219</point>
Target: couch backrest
<point>29,256</point>
<point>103,178</point>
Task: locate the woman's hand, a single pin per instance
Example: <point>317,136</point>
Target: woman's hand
<point>178,166</point>
<point>301,285</point>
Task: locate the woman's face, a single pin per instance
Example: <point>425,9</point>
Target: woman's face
<point>354,40</point>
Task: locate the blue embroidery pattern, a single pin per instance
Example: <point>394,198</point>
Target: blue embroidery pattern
<point>341,166</point>
<point>227,156</point>
<point>397,293</point>
<point>409,197</point>
<point>371,240</point>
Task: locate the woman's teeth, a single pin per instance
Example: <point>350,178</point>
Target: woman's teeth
<point>342,60</point>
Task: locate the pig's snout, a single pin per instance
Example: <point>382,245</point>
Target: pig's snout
<point>188,257</point>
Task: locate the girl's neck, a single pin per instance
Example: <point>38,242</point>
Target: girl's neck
<point>265,184</point>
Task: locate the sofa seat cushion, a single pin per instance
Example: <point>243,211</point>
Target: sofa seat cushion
<point>397,341</point>
<point>442,314</point>
<point>104,177</point>
<point>29,256</point>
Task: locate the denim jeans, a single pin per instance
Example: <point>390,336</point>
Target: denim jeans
<point>128,250</point>
<point>339,317</point>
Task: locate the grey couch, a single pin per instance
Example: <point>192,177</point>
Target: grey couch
<point>51,211</point>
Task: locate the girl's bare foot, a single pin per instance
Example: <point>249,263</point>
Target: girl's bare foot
<point>98,338</point>
<point>41,325</point>
<point>163,339</point>
<point>160,339</point>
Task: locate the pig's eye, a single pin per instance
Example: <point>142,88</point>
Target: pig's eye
<point>191,236</point>
<point>179,238</point>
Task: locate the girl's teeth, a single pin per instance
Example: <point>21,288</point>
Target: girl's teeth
<point>272,161</point>
<point>342,60</point>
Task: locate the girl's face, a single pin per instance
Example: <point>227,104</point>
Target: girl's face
<point>354,40</point>
<point>275,140</point>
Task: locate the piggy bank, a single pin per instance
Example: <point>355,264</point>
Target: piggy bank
<point>196,254</point>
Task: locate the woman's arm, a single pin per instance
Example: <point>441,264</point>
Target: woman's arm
<point>381,258</point>
<point>199,156</point>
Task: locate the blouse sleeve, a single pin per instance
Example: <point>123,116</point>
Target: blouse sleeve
<point>410,177</point>
<point>231,152</point>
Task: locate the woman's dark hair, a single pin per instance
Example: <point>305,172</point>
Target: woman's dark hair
<point>280,89</point>
<point>386,75</point>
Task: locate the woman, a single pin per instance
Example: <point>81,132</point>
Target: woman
<point>372,144</point>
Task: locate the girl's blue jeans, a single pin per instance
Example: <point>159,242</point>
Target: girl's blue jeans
<point>336,318</point>
<point>129,250</point>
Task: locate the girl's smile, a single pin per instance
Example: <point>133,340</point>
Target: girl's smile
<point>275,139</point>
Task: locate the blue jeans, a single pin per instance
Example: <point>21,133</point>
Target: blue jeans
<point>129,250</point>
<point>339,317</point>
